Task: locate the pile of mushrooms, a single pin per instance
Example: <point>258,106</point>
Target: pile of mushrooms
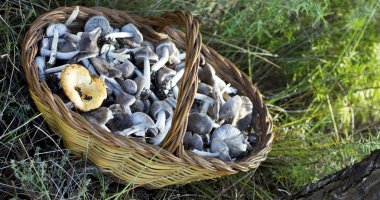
<point>127,85</point>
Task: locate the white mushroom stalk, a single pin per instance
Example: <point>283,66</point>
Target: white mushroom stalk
<point>161,136</point>
<point>182,56</point>
<point>55,30</point>
<point>115,35</point>
<point>173,82</point>
<point>55,69</point>
<point>86,63</point>
<point>206,153</point>
<point>40,62</point>
<point>163,60</point>
<point>111,81</point>
<point>73,16</point>
<point>107,51</point>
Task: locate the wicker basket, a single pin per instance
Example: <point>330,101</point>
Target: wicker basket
<point>129,160</point>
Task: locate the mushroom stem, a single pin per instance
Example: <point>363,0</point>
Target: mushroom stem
<point>87,64</point>
<point>112,81</point>
<point>161,136</point>
<point>115,35</point>
<point>54,46</point>
<point>55,69</point>
<point>205,106</point>
<point>69,105</point>
<point>204,98</point>
<point>147,73</point>
<point>132,130</point>
<point>160,123</point>
<point>72,37</point>
<point>182,56</point>
<point>206,153</point>
<point>73,16</point>
<point>59,55</point>
<point>105,127</point>
<point>162,61</point>
<point>173,82</point>
<point>40,62</point>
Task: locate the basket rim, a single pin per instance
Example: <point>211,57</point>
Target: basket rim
<point>41,90</point>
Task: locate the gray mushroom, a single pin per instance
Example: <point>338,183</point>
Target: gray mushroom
<point>161,136</point>
<point>128,85</point>
<point>99,117</point>
<point>45,52</point>
<point>98,21</point>
<point>231,137</point>
<point>120,121</point>
<point>141,122</point>
<point>136,37</point>
<point>88,46</point>
<point>55,31</point>
<point>199,123</point>
<point>126,69</point>
<point>243,118</point>
<point>103,67</point>
<point>193,141</point>
<point>203,88</point>
<point>108,51</point>
<point>164,75</point>
<point>86,63</point>
<point>146,55</point>
<point>231,108</point>
<point>40,62</point>
<point>160,111</point>
<point>125,100</point>
<point>166,50</point>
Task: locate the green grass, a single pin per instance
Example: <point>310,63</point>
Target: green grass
<point>315,62</point>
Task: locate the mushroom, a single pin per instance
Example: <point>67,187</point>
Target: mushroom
<point>98,21</point>
<point>67,46</point>
<point>108,51</point>
<point>161,136</point>
<point>231,108</point>
<point>174,80</point>
<point>44,51</point>
<point>85,91</point>
<point>203,88</point>
<point>126,69</point>
<point>231,137</point>
<point>88,46</point>
<point>167,51</point>
<point>163,76</point>
<point>171,101</point>
<point>160,110</point>
<point>199,123</point>
<point>193,141</point>
<point>73,16</point>
<point>40,62</point>
<point>103,67</point>
<point>146,55</point>
<point>121,120</point>
<point>141,122</point>
<point>125,100</point>
<point>128,85</point>
<point>243,118</point>
<point>86,63</point>
<point>55,31</point>
<point>137,37</point>
<point>99,117</point>
<point>55,69</point>
<point>140,82</point>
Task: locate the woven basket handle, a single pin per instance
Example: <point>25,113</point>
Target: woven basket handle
<point>188,84</point>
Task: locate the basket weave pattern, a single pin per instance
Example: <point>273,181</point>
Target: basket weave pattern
<point>128,159</point>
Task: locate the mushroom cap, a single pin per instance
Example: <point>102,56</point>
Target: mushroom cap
<point>85,91</point>
<point>203,88</point>
<point>98,21</point>
<point>197,142</point>
<point>67,46</point>
<point>245,114</point>
<point>144,53</point>
<point>140,82</point>
<point>121,120</point>
<point>199,123</point>
<point>232,137</point>
<point>138,106</point>
<point>171,101</point>
<point>131,28</point>
<point>131,86</point>
<point>103,67</point>
<point>158,106</point>
<point>173,51</point>
<point>147,44</point>
<point>100,115</point>
<point>124,99</point>
<point>207,74</point>
<point>61,28</point>
<point>126,69</point>
<point>187,138</point>
<point>88,42</point>
<point>140,118</point>
<point>231,108</point>
<point>218,146</point>
<point>164,75</point>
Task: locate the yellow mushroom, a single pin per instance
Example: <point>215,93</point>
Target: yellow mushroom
<point>85,91</point>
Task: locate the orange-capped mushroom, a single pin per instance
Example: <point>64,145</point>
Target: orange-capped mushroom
<point>85,91</point>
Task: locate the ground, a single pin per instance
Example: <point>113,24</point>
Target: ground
<point>315,62</point>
